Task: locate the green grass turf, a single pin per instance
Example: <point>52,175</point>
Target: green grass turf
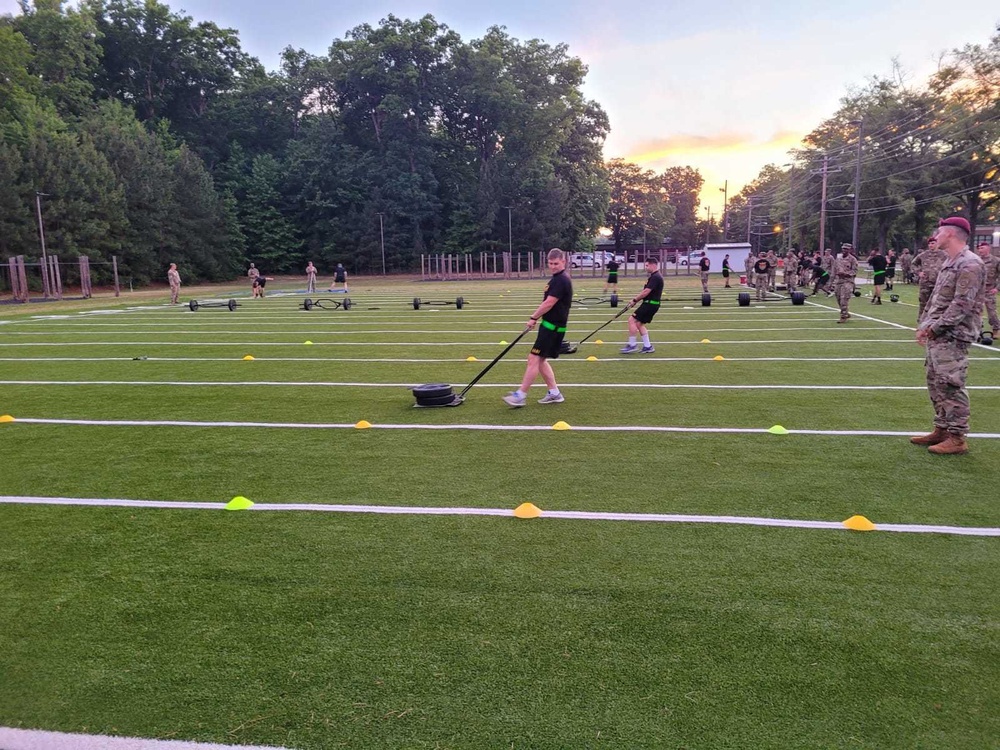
<point>329,630</point>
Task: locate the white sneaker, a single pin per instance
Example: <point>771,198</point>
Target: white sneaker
<point>552,398</point>
<point>512,399</point>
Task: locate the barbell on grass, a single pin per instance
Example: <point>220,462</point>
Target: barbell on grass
<point>326,304</point>
<point>613,300</point>
<point>195,305</point>
<point>459,303</point>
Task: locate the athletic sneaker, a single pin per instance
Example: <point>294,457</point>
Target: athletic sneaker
<point>647,350</point>
<point>630,349</point>
<point>552,398</point>
<point>512,399</point>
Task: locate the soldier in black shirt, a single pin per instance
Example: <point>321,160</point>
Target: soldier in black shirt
<point>554,315</point>
<point>725,270</point>
<point>612,276</point>
<point>878,264</point>
<point>650,299</point>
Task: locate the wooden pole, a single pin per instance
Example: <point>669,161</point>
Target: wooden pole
<point>114,270</point>
<point>23,276</point>
<point>56,276</point>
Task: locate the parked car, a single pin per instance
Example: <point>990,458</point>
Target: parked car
<point>585,260</point>
<point>606,256</point>
<point>691,259</point>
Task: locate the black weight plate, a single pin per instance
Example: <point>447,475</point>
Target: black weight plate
<point>436,400</point>
<point>614,299</point>
<point>798,298</point>
<point>416,303</point>
<point>431,390</point>
<point>347,303</point>
<point>232,305</point>
<point>706,300</point>
<point>193,304</point>
<point>460,303</point>
<point>743,299</point>
<point>307,304</point>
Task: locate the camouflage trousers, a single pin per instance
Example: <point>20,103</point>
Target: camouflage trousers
<point>923,297</point>
<point>772,275</point>
<point>791,281</point>
<point>991,311</point>
<point>947,365</point>
<point>760,284</point>
<point>175,292</point>
<point>844,290</point>
<point>704,282</point>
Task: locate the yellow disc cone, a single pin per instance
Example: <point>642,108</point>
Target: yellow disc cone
<point>239,503</point>
<point>859,523</point>
<point>308,343</point>
<point>706,341</point>
<point>777,430</point>
<point>503,343</point>
<point>527,510</point>
<point>364,424</point>
<point>6,418</point>
<point>718,358</point>
<point>471,359</point>
<point>591,358</point>
<point>598,341</point>
<point>560,425</point>
<point>248,358</point>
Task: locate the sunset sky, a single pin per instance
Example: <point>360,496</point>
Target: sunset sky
<point>725,87</point>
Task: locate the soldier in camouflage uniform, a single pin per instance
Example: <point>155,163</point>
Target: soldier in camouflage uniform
<point>772,258</point>
<point>845,268</point>
<point>748,265</point>
<point>992,264</point>
<point>951,322</point>
<point>761,269</point>
<point>926,266</point>
<point>791,271</point>
<point>174,279</point>
<point>906,261</point>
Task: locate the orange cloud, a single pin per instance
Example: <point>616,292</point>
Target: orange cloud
<point>694,146</point>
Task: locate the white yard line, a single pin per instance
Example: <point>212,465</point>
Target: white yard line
<point>37,739</point>
<point>462,427</point>
<point>571,515</point>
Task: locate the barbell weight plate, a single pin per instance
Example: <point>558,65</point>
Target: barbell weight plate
<point>614,299</point>
<point>743,299</point>
<point>459,303</point>
<point>416,303</point>
<point>436,400</point>
<point>431,390</point>
<point>798,298</point>
<point>307,304</point>
<point>232,305</point>
<point>347,303</point>
<point>706,300</point>
<point>193,304</point>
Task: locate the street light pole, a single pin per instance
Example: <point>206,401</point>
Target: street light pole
<point>381,236</point>
<point>41,237</point>
<point>725,211</point>
<point>510,233</point>
<point>857,184</point>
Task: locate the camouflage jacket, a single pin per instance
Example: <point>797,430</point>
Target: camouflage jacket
<point>955,308</point>
<point>929,263</point>
<point>826,262</point>
<point>845,268</point>
<point>992,264</point>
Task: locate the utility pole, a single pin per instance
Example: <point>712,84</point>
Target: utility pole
<point>725,211</point>
<point>825,171</point>
<point>749,215</point>
<point>791,205</point>
<point>510,234</point>
<point>708,226</point>
<point>857,184</point>
<point>41,237</point>
<point>381,236</point>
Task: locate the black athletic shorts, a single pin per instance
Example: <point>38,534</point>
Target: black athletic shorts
<point>725,273</point>
<point>548,342</point>
<point>613,277</point>
<point>645,312</point>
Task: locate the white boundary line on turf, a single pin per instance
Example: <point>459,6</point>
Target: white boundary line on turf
<point>469,427</point>
<point>37,739</point>
<point>422,331</point>
<point>462,360</point>
<point>349,384</point>
<point>571,515</point>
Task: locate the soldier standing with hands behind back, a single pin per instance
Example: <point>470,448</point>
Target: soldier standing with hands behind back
<point>845,268</point>
<point>992,264</point>
<point>951,322</point>
<point>926,266</point>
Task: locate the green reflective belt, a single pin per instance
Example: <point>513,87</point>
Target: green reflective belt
<point>652,301</point>
<point>552,327</point>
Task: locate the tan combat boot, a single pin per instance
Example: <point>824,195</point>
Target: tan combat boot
<point>938,436</point>
<point>954,445</point>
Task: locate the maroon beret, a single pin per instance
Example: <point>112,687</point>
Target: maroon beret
<point>956,221</point>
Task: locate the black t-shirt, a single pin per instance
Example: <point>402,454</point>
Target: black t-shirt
<point>561,288</point>
<point>877,262</point>
<point>704,264</point>
<point>261,280</point>
<point>725,264</point>
<point>762,265</point>
<point>612,266</point>
<point>655,286</point>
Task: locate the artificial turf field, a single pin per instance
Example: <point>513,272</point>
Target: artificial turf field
<point>327,629</point>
